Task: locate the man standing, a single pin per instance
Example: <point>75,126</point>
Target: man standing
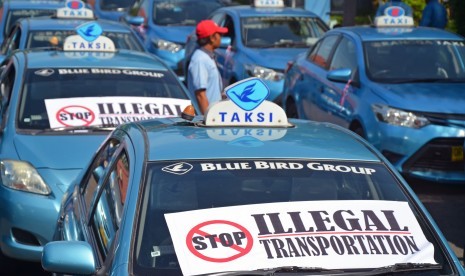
<point>434,15</point>
<point>203,77</point>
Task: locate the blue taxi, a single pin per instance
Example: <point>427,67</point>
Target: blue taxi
<point>50,31</point>
<point>13,10</point>
<point>165,25</point>
<point>110,9</point>
<point>261,39</point>
<point>57,108</point>
<point>243,191</point>
<point>396,85</point>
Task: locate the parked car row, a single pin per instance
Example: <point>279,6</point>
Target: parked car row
<point>104,170</point>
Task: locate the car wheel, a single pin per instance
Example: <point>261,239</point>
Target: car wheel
<point>291,109</point>
<point>359,131</point>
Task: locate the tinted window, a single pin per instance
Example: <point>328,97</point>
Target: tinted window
<point>183,12</point>
<point>274,31</point>
<point>97,171</point>
<point>344,56</point>
<point>14,15</point>
<point>216,183</point>
<point>46,83</point>
<point>321,55</point>
<point>415,60</point>
<point>38,39</point>
<point>109,210</point>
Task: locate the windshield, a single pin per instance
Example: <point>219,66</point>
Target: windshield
<point>65,97</point>
<point>173,187</point>
<point>116,5</point>
<point>415,60</point>
<point>38,39</point>
<point>14,15</point>
<point>183,12</point>
<point>281,32</point>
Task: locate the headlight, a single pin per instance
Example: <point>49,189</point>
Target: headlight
<point>263,73</point>
<point>22,176</point>
<point>398,117</point>
<point>167,45</point>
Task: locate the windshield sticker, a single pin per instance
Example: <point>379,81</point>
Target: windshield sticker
<point>44,72</point>
<point>267,165</point>
<point>106,71</point>
<point>178,168</point>
<point>327,234</point>
<point>110,111</point>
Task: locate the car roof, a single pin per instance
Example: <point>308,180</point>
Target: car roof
<point>248,11</point>
<point>173,139</point>
<point>371,33</point>
<point>48,23</point>
<point>21,4</point>
<point>75,59</point>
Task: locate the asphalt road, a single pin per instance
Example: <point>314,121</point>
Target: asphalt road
<point>446,203</point>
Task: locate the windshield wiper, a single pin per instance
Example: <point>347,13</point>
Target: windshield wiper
<point>286,43</point>
<point>77,129</point>
<point>273,271</point>
<point>426,80</point>
<point>400,268</point>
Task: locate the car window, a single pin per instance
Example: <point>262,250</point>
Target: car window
<point>182,12</point>
<point>14,15</point>
<point>320,55</point>
<point>97,170</point>
<point>116,5</point>
<point>415,60</point>
<point>344,55</point>
<point>108,212</point>
<point>282,31</point>
<point>7,79</point>
<point>122,40</point>
<point>42,84</point>
<point>12,42</point>
<point>190,185</point>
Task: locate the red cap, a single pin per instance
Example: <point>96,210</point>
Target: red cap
<point>206,28</point>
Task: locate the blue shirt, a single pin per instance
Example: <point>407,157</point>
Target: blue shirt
<point>434,15</point>
<point>204,74</point>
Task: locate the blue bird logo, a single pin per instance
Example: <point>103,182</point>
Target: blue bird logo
<point>244,96</point>
<point>90,31</point>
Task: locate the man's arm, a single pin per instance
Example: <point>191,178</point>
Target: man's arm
<point>202,100</point>
<point>426,17</point>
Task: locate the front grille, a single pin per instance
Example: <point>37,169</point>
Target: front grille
<point>436,156</point>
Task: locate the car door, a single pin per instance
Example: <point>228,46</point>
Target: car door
<point>312,80</point>
<point>339,98</point>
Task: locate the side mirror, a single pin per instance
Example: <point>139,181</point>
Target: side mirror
<point>225,42</point>
<point>98,173</point>
<point>339,75</point>
<point>68,257</point>
<point>133,20</point>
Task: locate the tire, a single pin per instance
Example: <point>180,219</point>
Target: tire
<point>359,131</point>
<point>291,109</point>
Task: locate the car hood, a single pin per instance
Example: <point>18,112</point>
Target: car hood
<point>58,151</point>
<point>176,34</point>
<point>425,97</point>
<point>275,58</point>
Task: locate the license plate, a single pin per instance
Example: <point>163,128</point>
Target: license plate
<point>457,153</point>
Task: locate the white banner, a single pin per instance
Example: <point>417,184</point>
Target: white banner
<point>328,234</point>
<point>110,111</point>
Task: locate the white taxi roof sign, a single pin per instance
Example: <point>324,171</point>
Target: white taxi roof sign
<point>268,3</point>
<point>75,9</point>
<point>246,106</point>
<point>89,38</point>
<point>394,16</point>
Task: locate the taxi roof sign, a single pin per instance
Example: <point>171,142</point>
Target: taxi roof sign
<point>394,16</point>
<point>89,39</point>
<point>75,9</point>
<point>268,3</point>
<point>246,106</point>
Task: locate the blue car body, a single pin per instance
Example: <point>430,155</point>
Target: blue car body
<point>14,10</point>
<point>113,220</point>
<point>54,156</point>
<point>401,88</point>
<point>25,34</point>
<point>267,59</point>
<point>165,27</point>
